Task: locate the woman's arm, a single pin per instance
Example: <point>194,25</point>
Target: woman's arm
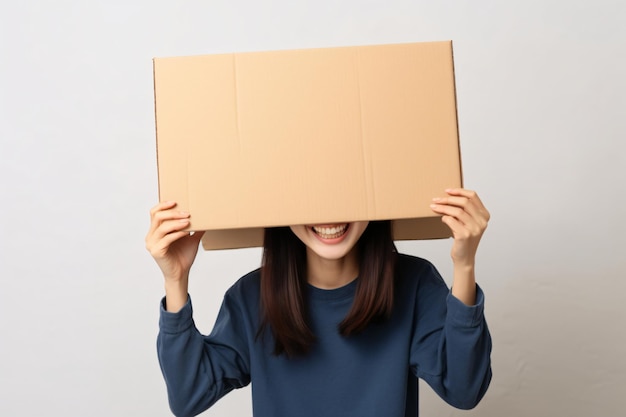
<point>451,345</point>
<point>455,346</point>
<point>464,213</point>
<point>173,249</point>
<point>198,370</point>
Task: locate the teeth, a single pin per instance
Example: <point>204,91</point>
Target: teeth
<point>330,232</point>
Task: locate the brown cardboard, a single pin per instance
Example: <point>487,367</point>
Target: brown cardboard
<point>260,139</point>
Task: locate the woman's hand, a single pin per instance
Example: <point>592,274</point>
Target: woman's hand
<point>173,249</point>
<point>467,217</point>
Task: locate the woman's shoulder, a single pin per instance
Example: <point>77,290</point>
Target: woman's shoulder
<point>410,263</point>
<point>416,270</point>
<point>246,288</point>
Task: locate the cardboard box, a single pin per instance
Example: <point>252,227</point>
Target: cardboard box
<point>260,139</point>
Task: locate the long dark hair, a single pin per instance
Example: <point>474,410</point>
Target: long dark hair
<point>283,287</point>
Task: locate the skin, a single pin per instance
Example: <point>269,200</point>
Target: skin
<point>173,249</point>
<point>464,213</point>
<point>328,266</point>
<point>331,265</point>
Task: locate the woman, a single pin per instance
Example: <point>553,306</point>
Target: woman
<point>335,322</point>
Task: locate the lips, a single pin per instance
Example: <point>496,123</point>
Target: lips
<point>331,231</point>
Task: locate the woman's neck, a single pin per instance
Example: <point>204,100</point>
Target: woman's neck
<point>329,274</point>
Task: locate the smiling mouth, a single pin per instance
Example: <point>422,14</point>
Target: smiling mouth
<point>330,232</point>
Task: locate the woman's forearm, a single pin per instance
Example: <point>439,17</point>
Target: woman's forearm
<point>464,285</point>
<point>176,293</point>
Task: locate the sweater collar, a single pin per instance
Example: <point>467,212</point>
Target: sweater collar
<point>345,292</point>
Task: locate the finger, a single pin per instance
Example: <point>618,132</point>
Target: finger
<point>173,237</point>
<point>469,194</point>
<point>462,202</point>
<point>164,205</point>
<point>162,246</point>
<point>474,200</point>
<point>456,227</point>
<point>462,231</point>
<point>166,215</point>
<point>474,225</point>
<point>458,213</point>
<point>461,192</point>
<point>164,231</point>
<point>154,223</point>
<point>159,230</point>
<point>162,216</point>
<point>170,226</point>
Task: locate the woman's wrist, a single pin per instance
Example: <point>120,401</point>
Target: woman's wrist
<point>464,285</point>
<point>176,294</point>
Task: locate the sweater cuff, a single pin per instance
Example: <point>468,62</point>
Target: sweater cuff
<point>176,322</point>
<point>462,315</point>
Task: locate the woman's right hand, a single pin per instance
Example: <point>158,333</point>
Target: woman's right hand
<point>173,248</point>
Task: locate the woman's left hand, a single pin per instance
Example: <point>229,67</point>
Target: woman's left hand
<point>467,217</point>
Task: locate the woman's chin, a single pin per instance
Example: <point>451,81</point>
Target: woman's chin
<point>330,241</point>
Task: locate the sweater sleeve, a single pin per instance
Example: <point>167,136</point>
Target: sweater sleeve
<point>451,346</point>
<point>199,370</point>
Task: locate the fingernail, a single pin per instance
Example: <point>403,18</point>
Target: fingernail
<point>436,199</point>
<point>183,213</point>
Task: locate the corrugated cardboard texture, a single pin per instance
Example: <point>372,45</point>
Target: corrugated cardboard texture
<point>252,140</point>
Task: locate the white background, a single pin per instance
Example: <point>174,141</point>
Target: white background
<point>541,100</point>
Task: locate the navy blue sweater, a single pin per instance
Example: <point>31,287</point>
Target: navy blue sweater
<point>431,335</point>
